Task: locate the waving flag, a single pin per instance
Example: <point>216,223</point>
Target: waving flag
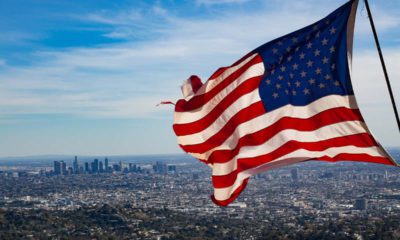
<point>288,101</point>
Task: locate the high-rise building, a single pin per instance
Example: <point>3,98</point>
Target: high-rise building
<point>63,168</point>
<point>171,168</point>
<point>101,169</point>
<point>57,168</point>
<point>87,167</point>
<point>160,167</point>
<point>95,166</point>
<point>106,164</point>
<point>76,165</point>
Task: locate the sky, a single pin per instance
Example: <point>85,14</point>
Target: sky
<point>84,77</point>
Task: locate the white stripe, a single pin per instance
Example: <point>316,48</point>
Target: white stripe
<point>187,90</point>
<point>321,134</point>
<point>211,83</point>
<point>199,113</point>
<point>222,194</point>
<point>219,123</point>
<point>268,119</point>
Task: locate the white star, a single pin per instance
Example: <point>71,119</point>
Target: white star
<point>303,74</point>
<point>273,71</point>
<point>278,86</point>
<point>297,49</point>
<point>294,40</point>
<point>332,49</point>
<point>275,95</point>
<point>327,76</point>
<point>280,77</point>
<point>327,22</point>
<point>333,66</point>
<point>275,51</point>
<point>316,52</point>
<point>332,30</point>
<point>321,85</point>
<point>324,42</point>
<point>268,81</point>
<point>287,92</point>
<point>318,71</point>
<point>289,84</point>
<point>315,27</point>
<point>325,60</point>
<point>280,43</point>
<point>317,35</point>
<point>302,55</point>
<point>337,83</point>
<point>288,49</point>
<point>311,81</point>
<point>289,58</point>
<point>309,45</point>
<point>306,91</point>
<point>294,92</point>
<point>295,66</point>
<point>291,75</point>
<point>283,68</point>
<point>298,84</point>
<point>309,63</point>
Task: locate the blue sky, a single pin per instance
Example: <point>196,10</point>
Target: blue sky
<point>83,77</point>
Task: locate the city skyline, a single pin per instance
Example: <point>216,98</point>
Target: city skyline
<point>84,78</point>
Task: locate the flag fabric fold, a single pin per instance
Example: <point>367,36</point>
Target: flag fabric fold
<point>288,101</point>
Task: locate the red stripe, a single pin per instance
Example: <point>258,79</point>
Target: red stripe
<point>317,121</point>
<point>199,100</point>
<point>203,123</point>
<point>358,140</point>
<point>234,195</point>
<point>222,69</point>
<point>195,82</point>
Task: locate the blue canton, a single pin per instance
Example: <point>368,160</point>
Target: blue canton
<point>308,64</point>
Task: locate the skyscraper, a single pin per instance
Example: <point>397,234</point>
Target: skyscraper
<point>63,168</point>
<point>57,168</point>
<point>76,165</point>
<point>87,167</point>
<point>95,166</point>
<point>101,169</point>
<point>106,164</point>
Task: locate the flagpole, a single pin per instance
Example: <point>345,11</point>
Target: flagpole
<point>378,46</point>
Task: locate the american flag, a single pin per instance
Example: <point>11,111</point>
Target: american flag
<point>288,101</point>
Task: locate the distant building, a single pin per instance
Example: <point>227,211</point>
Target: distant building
<point>101,168</point>
<point>171,168</point>
<point>361,204</point>
<point>106,164</point>
<point>63,168</point>
<point>117,167</point>
<point>295,174</point>
<point>76,165</point>
<point>87,167</point>
<point>57,168</point>
<point>160,167</point>
<point>95,166</point>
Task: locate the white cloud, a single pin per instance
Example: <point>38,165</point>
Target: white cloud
<point>127,80</point>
